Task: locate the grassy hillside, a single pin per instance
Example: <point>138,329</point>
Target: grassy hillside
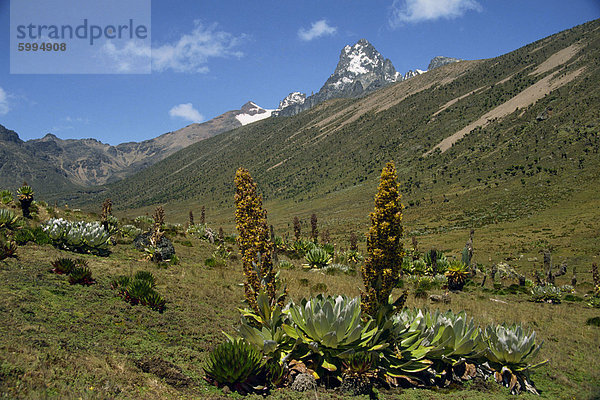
<point>70,341</point>
<point>536,166</point>
<point>520,161</point>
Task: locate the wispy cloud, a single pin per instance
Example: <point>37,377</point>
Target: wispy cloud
<point>68,123</point>
<point>189,53</point>
<point>317,29</point>
<point>187,112</point>
<point>77,120</point>
<point>134,56</point>
<point>4,108</point>
<point>413,11</point>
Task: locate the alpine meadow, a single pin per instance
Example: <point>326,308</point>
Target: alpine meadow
<point>421,235</point>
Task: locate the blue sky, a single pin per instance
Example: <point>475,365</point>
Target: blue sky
<point>211,57</point>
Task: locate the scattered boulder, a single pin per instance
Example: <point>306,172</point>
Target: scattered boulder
<point>304,382</point>
<point>165,246</point>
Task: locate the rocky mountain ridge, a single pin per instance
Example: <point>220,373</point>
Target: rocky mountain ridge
<point>86,162</point>
<point>361,70</point>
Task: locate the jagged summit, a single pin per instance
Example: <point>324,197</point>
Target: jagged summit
<point>361,69</point>
<point>360,63</point>
<point>438,61</point>
<point>292,98</point>
<point>9,135</point>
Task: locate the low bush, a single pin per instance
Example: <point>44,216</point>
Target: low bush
<point>140,289</point>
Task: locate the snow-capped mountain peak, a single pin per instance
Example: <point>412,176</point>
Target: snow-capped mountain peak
<point>292,98</point>
<point>252,112</point>
<point>360,63</point>
<point>361,58</point>
<point>361,70</point>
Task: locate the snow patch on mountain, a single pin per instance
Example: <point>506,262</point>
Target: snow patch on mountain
<point>252,112</point>
<point>291,99</point>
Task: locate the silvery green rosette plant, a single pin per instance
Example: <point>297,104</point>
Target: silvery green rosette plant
<point>78,236</point>
<point>329,328</point>
<point>510,350</point>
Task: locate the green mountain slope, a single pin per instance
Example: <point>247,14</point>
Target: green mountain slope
<point>528,122</point>
<point>19,163</point>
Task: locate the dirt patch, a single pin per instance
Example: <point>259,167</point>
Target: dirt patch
<point>277,165</point>
<point>453,101</point>
<point>556,59</point>
<point>165,370</point>
<point>524,99</point>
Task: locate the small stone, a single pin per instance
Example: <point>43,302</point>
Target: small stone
<point>304,382</point>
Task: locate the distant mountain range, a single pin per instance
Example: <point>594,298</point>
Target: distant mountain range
<point>504,136</point>
<point>53,164</point>
<point>361,70</point>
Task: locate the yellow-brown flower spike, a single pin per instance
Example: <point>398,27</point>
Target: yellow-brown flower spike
<point>384,247</point>
<point>255,247</point>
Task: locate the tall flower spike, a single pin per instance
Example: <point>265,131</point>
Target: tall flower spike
<point>384,247</point>
<point>253,240</point>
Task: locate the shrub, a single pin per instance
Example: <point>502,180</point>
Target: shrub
<point>140,289</point>
<point>25,196</point>
<point>81,275</point>
<point>6,197</point>
<point>317,258</point>
<point>457,275</point>
<point>36,235</point>
<point>594,321</point>
<point>335,268</point>
<point>130,231</point>
<point>144,222</point>
<point>235,364</point>
<point>22,236</point>
<point>350,256</point>
<point>154,301</point>
<point>213,262</point>
<point>511,346</point>
<point>8,247</point>
<point>326,326</point>
<point>65,265</point>
<point>8,220</point>
<point>546,294</point>
<point>285,264</point>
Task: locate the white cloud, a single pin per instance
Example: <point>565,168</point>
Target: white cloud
<point>68,122</point>
<point>317,29</point>
<point>133,57</point>
<point>412,11</point>
<point>191,52</point>
<point>3,102</point>
<point>186,111</point>
<point>77,120</point>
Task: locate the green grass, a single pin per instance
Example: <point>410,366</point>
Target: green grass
<point>69,341</point>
